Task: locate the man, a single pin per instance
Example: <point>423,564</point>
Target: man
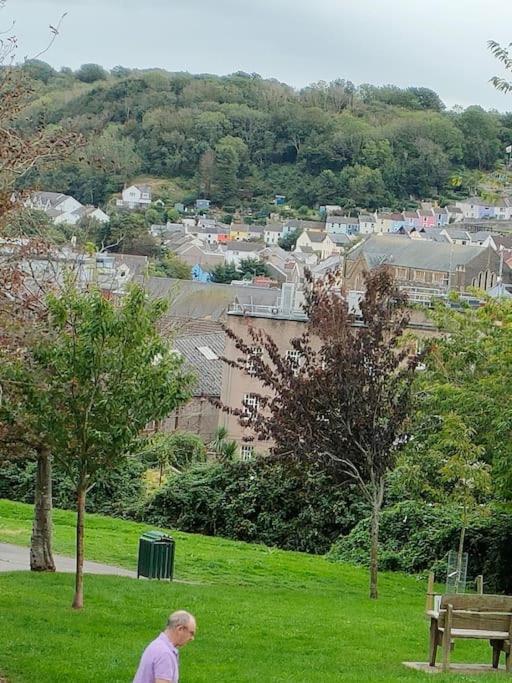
<point>159,662</point>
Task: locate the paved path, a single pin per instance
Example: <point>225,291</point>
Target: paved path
<point>17,558</point>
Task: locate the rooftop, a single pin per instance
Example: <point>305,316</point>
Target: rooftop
<point>401,250</point>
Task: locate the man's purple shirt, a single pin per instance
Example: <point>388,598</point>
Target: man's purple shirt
<point>159,660</point>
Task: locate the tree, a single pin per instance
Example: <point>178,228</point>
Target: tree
<point>289,240</point>
<point>442,464</point>
<point>250,267</point>
<point>481,137</point>
<point>221,447</point>
<point>468,374</point>
<point>173,215</point>
<point>177,450</point>
<point>227,163</point>
<point>96,377</point>
<point>347,387</point>
<point>122,230</point>
<point>22,151</point>
<point>89,73</point>
<point>39,70</point>
<point>463,472</point>
<point>502,54</point>
<point>170,265</point>
<point>224,273</point>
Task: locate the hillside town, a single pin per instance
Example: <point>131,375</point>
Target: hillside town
<point>433,252</point>
<point>255,342</point>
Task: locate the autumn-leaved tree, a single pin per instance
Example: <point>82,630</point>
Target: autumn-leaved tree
<point>92,381</point>
<point>343,399</point>
<point>22,306</point>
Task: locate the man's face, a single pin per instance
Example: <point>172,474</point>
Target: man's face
<point>185,634</point>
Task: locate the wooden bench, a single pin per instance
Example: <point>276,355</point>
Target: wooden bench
<point>482,617</point>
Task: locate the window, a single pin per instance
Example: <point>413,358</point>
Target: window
<point>246,453</point>
<point>293,356</point>
<point>250,404</point>
<point>401,273</point>
<point>439,277</point>
<point>419,275</point>
<point>249,363</point>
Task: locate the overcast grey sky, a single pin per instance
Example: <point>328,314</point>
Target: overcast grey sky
<point>440,44</point>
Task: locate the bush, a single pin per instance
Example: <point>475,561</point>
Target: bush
<point>89,73</point>
<point>260,501</point>
<point>115,493</point>
<point>416,536</point>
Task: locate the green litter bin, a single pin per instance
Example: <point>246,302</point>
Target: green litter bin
<point>156,556</point>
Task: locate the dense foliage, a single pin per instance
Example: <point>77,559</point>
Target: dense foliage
<point>415,536</point>
<point>261,501</point>
<point>115,492</point>
<point>242,139</point>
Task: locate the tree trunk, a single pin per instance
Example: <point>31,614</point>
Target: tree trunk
<point>378,498</point>
<point>78,600</point>
<point>374,551</point>
<point>41,558</point>
<point>460,552</point>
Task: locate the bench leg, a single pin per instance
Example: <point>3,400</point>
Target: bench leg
<point>434,641</point>
<point>497,646</point>
<point>447,638</point>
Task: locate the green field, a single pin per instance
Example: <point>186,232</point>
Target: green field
<point>263,615</point>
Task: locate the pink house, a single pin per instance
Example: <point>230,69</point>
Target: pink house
<point>427,218</point>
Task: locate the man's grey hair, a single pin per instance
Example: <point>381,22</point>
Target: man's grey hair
<point>180,618</point>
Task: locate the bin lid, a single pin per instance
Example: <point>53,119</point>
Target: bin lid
<point>156,536</point>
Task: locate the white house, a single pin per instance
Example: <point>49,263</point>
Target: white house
<point>239,251</point>
<point>367,224</point>
<point>342,225</point>
<point>53,201</point>
<point>272,233</point>
<point>62,208</point>
<point>317,242</point>
<point>135,197</point>
<point>73,217</point>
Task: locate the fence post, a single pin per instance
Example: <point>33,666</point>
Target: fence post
<point>430,592</point>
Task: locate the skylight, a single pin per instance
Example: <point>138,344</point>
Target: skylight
<point>207,352</point>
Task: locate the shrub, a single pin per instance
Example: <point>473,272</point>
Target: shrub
<point>115,493</point>
<point>416,536</point>
<point>260,501</point>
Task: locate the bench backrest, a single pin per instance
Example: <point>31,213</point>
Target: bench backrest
<point>478,603</point>
<point>478,612</point>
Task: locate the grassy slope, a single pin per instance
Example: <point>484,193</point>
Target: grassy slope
<point>264,615</point>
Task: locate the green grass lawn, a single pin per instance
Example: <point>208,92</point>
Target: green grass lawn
<point>263,615</point>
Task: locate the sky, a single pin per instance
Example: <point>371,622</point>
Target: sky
<point>439,44</point>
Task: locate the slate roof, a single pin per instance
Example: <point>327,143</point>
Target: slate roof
<point>190,299</point>
<point>316,237</point>
<point>344,220</point>
<point>480,236</point>
<point>327,265</point>
<point>458,234</point>
<point>434,234</point>
<point>401,250</point>
<point>54,198</point>
<point>244,246</point>
<point>137,265</point>
<point>208,372</point>
<point>305,225</point>
<point>340,240</point>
